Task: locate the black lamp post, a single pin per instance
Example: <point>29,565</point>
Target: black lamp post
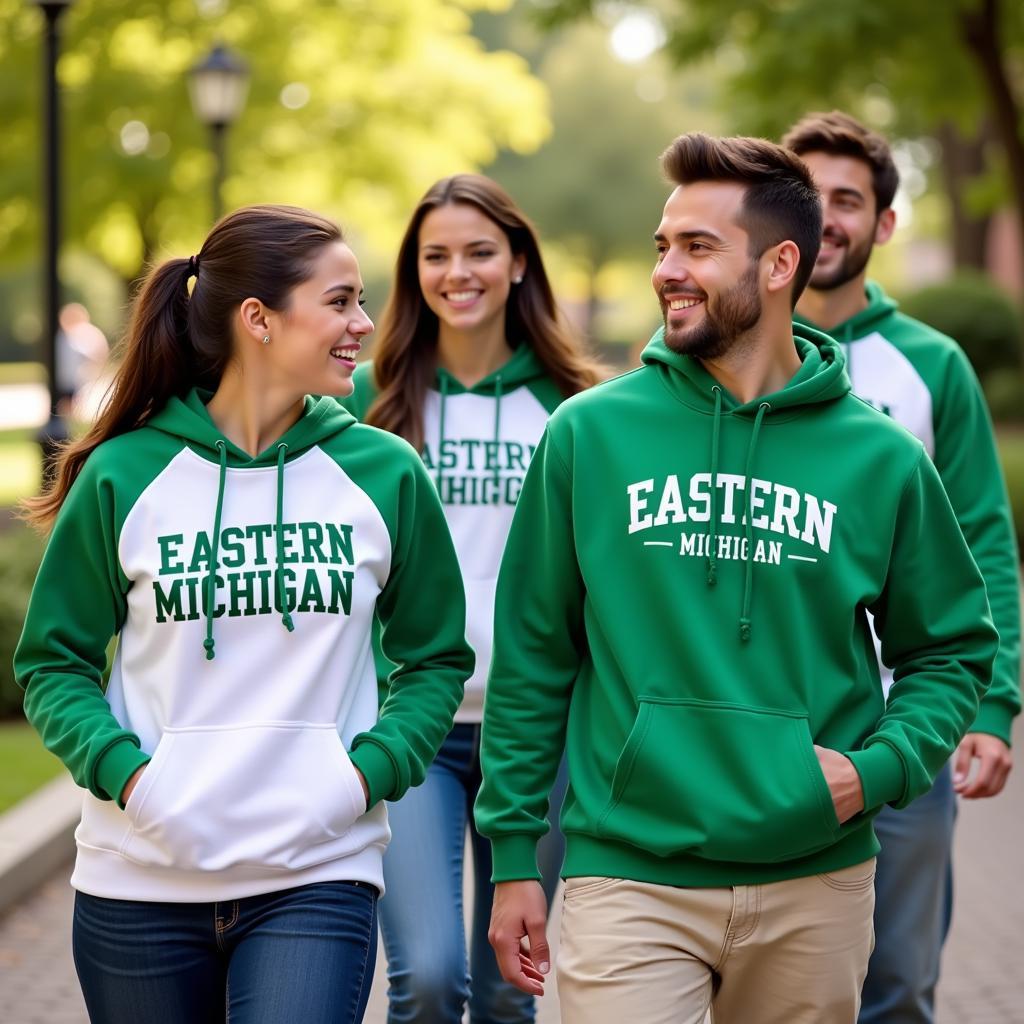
<point>218,86</point>
<point>55,430</point>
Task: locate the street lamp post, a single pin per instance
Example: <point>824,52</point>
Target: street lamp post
<point>218,86</point>
<point>55,430</point>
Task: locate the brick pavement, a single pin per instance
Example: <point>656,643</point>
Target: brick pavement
<point>983,980</point>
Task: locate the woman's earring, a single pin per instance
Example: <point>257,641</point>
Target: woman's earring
<point>517,280</point>
<point>266,339</point>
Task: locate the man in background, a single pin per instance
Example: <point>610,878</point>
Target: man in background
<point>922,379</point>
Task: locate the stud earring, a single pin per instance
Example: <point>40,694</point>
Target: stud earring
<point>517,280</point>
<point>266,339</point>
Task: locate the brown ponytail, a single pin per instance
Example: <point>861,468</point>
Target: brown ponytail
<point>176,341</point>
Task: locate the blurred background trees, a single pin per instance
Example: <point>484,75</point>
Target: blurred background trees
<point>356,106</point>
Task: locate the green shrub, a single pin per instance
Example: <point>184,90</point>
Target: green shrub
<point>20,552</point>
<point>1004,392</point>
<point>978,314</point>
<point>1011,454</point>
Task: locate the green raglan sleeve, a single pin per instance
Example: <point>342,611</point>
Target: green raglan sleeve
<point>538,650</point>
<point>77,604</point>
<point>968,463</point>
<point>933,621</point>
<point>422,612</point>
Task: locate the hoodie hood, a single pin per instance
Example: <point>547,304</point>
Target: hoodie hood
<point>523,368</point>
<point>820,378</point>
<point>879,308</point>
<point>188,419</point>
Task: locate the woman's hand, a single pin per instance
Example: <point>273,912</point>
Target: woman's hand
<point>131,784</point>
<point>362,782</point>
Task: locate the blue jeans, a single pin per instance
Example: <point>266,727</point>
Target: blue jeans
<point>913,907</point>
<point>305,954</point>
<point>421,913</point>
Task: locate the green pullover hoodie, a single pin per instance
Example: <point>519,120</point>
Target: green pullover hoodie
<point>682,603</point>
<point>242,591</point>
<point>922,379</point>
<point>478,445</point>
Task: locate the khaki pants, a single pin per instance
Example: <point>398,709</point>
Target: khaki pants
<point>792,952</point>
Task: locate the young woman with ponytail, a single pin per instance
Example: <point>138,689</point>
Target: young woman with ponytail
<point>471,361</point>
<point>239,537</point>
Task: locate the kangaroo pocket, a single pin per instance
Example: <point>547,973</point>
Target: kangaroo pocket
<point>278,796</point>
<point>719,781</point>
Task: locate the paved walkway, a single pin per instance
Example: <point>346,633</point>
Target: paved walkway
<point>983,979</point>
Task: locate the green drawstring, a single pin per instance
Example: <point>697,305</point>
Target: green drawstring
<point>286,618</point>
<point>440,431</point>
<point>497,434</point>
<point>712,525</point>
<point>748,585</point>
<point>211,584</point>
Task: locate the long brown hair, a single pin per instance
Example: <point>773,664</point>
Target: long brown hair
<point>405,352</point>
<point>176,341</point>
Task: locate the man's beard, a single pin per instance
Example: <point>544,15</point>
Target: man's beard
<point>855,259</point>
<point>734,313</point>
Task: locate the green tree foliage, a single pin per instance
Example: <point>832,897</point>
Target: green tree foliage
<point>386,95</point>
<point>909,67</point>
<point>596,187</point>
<point>782,58</point>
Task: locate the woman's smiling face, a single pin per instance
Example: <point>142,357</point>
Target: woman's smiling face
<point>466,267</point>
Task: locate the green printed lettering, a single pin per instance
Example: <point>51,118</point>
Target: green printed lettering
<point>201,553</point>
<point>260,533</point>
<point>514,455</point>
<point>339,536</point>
<point>312,596</point>
<point>232,547</point>
<point>312,539</point>
<point>167,567</point>
<point>288,531</point>
<point>242,594</point>
<point>168,604</point>
<point>341,591</point>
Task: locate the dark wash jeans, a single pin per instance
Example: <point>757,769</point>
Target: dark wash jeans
<point>305,954</point>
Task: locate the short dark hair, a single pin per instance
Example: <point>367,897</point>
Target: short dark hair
<point>781,202</point>
<point>838,134</point>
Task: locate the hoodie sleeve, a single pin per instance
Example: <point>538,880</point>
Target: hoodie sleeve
<point>77,605</point>
<point>422,612</point>
<point>936,632</point>
<point>538,649</point>
<point>968,463</point>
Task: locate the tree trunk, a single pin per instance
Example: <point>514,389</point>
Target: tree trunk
<point>981,35</point>
<point>962,161</point>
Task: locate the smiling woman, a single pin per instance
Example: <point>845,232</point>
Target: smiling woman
<point>240,538</point>
<point>472,360</point>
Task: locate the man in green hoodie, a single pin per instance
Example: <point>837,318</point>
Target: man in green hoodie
<point>922,380</point>
<point>682,606</point>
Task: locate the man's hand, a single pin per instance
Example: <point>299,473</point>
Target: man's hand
<point>843,782</point>
<point>519,912</point>
<point>994,765</point>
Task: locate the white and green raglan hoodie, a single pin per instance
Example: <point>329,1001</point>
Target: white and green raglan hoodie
<point>922,379</point>
<point>479,443</point>
<point>242,591</point>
